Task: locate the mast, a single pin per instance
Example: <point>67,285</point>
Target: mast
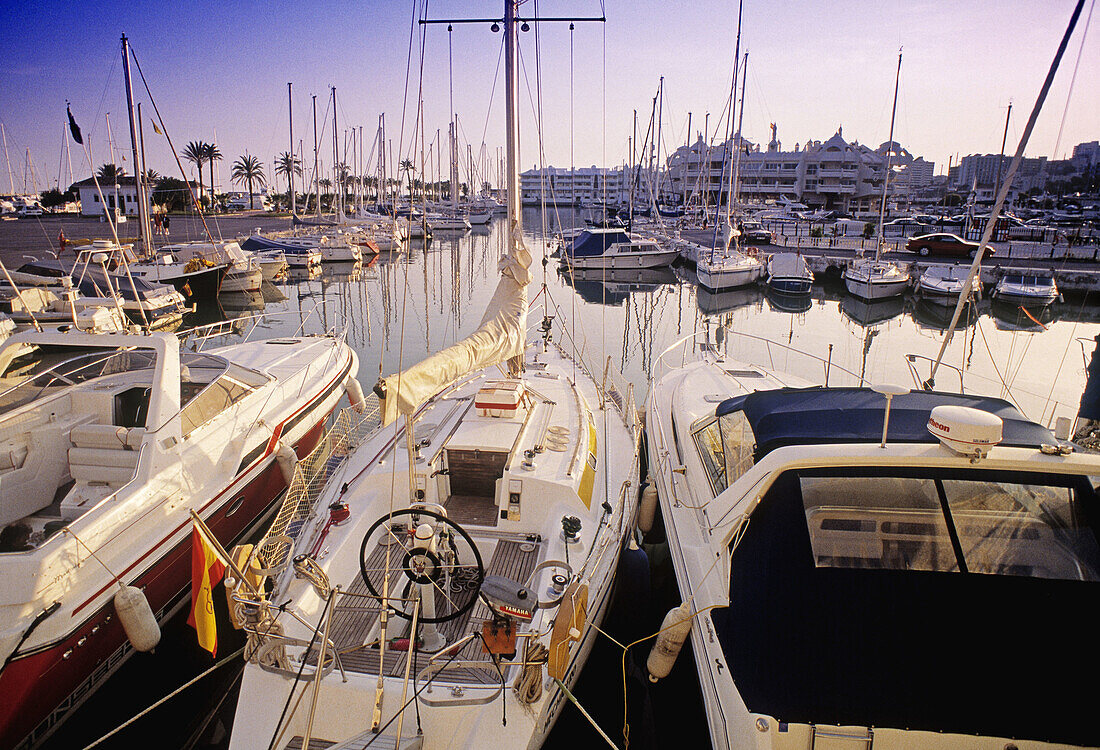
<point>316,161</point>
<point>290,174</point>
<point>337,180</point>
<point>1001,159</point>
<point>889,161</point>
<point>737,136</point>
<point>513,228</point>
<point>11,182</point>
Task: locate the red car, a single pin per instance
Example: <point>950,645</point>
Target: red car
<point>942,243</point>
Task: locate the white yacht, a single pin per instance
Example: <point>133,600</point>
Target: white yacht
<point>943,282</point>
<point>1027,287</point>
<point>614,248</point>
<point>849,559</point>
<point>875,279</point>
<point>110,441</point>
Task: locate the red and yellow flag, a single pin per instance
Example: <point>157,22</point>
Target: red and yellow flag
<point>207,569</point>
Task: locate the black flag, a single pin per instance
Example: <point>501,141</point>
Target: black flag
<point>73,127</point>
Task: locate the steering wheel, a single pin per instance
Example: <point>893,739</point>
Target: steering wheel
<point>451,564</point>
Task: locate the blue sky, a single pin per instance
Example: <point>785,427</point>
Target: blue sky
<point>219,71</point>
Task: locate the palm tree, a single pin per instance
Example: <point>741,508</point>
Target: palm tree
<point>248,169</point>
<point>288,165</point>
<point>212,154</point>
<point>110,172</point>
<point>151,176</point>
<point>409,169</point>
<point>196,154</point>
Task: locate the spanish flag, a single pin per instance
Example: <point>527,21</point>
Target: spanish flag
<point>207,569</point>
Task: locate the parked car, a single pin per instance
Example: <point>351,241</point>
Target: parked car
<point>755,234</point>
<point>942,243</point>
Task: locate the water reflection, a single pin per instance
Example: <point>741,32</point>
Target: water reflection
<point>869,313</point>
<point>400,306</point>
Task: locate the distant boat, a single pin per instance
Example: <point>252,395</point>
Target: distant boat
<point>789,273</point>
<point>878,279</point>
<point>614,248</point>
<point>943,283</point>
<point>1028,287</point>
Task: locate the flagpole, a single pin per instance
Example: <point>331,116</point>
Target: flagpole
<point>208,535</point>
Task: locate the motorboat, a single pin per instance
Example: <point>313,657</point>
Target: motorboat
<point>194,278</point>
<point>448,222</point>
<point>1027,287</point>
<point>244,273</point>
<point>151,306</point>
<point>112,441</point>
<point>944,283</point>
<point>875,279</point>
<point>299,251</point>
<point>273,264</point>
<point>462,551</point>
<point>729,269</point>
<point>614,248</point>
<point>789,273</point>
<point>825,537</point>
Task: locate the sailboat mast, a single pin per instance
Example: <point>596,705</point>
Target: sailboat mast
<point>514,226</point>
<point>1001,159</point>
<point>316,162</point>
<point>740,120</point>
<point>290,174</point>
<point>889,160</point>
<point>337,179</point>
<point>7,158</point>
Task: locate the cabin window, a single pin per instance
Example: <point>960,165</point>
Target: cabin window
<point>950,525</point>
<point>725,447</point>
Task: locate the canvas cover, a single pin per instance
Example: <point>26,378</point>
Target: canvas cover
<point>500,336</point>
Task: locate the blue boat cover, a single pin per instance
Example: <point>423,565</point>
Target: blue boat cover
<point>808,416</point>
<point>594,242</point>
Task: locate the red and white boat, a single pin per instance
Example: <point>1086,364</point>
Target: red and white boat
<point>109,442</point>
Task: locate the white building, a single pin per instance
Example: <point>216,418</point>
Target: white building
<point>833,174</point>
<point>583,186</point>
<point>119,195</point>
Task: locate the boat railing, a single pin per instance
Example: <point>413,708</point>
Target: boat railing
<point>242,327</point>
<point>611,384</point>
<point>748,347</point>
<point>311,476</point>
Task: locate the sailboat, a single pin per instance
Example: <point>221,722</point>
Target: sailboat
<point>878,279</point>
<point>444,586</point>
<point>732,267</point>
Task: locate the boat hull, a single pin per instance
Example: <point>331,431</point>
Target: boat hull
<point>875,289</point>
<point>43,685</point>
<point>626,260</point>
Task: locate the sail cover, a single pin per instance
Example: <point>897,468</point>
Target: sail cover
<point>501,335</point>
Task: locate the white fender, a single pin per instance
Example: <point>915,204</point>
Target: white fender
<point>287,460</point>
<point>355,394</point>
<point>647,508</point>
<point>674,629</point>
<point>137,618</point>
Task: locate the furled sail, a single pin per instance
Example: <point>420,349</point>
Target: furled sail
<point>500,336</point>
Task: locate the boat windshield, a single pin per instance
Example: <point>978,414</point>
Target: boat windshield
<point>1018,526</point>
<point>47,368</point>
<point>209,385</point>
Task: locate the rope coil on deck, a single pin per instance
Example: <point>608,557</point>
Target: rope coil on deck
<point>528,684</point>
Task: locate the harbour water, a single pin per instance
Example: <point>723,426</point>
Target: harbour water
<point>400,307</point>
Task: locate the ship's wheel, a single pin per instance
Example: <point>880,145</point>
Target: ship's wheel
<point>414,552</point>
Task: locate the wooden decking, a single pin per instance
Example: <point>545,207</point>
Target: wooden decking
<point>357,613</point>
<point>471,510</point>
